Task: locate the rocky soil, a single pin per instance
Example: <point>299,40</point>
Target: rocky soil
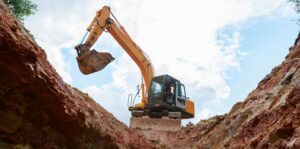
<point>268,118</point>
<point>39,110</point>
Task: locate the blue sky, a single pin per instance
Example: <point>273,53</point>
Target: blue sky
<point>266,42</point>
<point>219,50</point>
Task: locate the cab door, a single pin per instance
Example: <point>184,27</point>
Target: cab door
<point>180,95</point>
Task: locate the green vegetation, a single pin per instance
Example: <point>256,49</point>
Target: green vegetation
<point>297,5</point>
<point>21,8</point>
<point>297,8</point>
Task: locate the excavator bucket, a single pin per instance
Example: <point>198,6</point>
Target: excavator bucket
<point>93,61</point>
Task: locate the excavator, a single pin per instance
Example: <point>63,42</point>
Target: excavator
<point>162,97</point>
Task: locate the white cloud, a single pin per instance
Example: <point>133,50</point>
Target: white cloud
<point>114,96</point>
<point>205,113</point>
<point>60,24</point>
<point>111,98</point>
<point>181,38</point>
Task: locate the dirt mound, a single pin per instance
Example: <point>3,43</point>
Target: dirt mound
<point>268,118</point>
<point>39,110</point>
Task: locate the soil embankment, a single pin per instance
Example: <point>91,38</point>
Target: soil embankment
<point>39,110</point>
<point>268,118</point>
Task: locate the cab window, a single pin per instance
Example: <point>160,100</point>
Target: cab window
<point>181,91</point>
<point>155,88</point>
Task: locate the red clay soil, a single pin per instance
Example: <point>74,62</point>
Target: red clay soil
<point>39,110</point>
<point>268,118</point>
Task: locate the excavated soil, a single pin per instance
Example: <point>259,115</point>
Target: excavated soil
<point>39,110</point>
<point>268,118</point>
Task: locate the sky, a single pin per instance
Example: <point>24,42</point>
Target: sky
<point>219,49</point>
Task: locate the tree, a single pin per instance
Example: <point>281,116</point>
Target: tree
<point>21,8</point>
<point>297,8</point>
<point>297,5</point>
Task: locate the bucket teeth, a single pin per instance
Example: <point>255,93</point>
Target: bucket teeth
<point>93,61</point>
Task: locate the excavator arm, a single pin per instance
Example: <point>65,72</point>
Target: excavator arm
<point>90,61</point>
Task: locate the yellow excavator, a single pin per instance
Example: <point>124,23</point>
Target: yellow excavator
<point>162,96</point>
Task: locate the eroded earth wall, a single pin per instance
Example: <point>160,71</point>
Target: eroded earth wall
<point>268,118</point>
<point>39,110</point>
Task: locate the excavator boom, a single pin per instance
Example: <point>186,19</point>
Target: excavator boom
<point>90,61</point>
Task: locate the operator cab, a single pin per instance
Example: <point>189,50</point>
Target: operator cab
<point>166,94</point>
